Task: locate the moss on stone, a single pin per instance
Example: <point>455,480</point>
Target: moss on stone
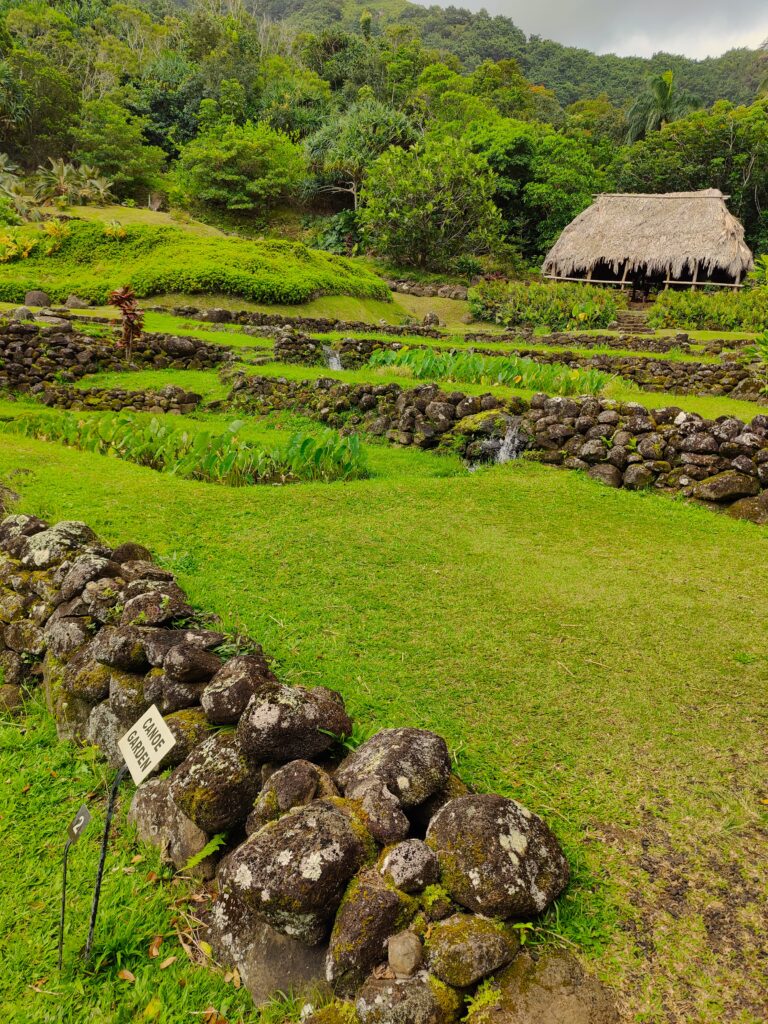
<point>337,1012</point>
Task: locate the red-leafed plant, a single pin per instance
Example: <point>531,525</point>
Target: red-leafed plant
<point>132,317</point>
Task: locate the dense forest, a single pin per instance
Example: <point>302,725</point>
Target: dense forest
<point>432,137</point>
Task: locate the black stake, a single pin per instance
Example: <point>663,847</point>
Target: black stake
<point>103,856</point>
<point>63,901</point>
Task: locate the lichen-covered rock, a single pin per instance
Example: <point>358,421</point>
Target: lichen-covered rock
<point>296,783</point>
<point>383,815</point>
<point>64,635</point>
<point>15,526</point>
<point>411,866</point>
<point>170,695</point>
<point>465,948</point>
<point>753,509</point>
<point>412,763</point>
<point>287,722</point>
<point>369,913</point>
<point>727,486</point>
<point>228,693</point>
<point>84,570</point>
<point>552,990</point>
<point>25,637</point>
<point>140,569</point>
<point>103,729</point>
<point>189,727</point>
<point>87,679</point>
<point>120,647</point>
<point>496,857</point>
<point>606,473</point>
<point>267,960</point>
<point>157,606</point>
<point>216,785</point>
<point>49,547</point>
<point>103,599</point>
<point>405,954</point>
<point>159,821</point>
<point>127,696</point>
<point>158,641</point>
<point>190,663</point>
<point>418,1000</point>
<point>294,871</point>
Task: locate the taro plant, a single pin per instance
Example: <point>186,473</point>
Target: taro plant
<point>511,371</point>
<point>223,458</point>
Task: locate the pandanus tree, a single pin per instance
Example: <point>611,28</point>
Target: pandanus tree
<point>661,103</point>
<point>132,317</point>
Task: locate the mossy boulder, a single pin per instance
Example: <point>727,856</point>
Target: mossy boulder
<point>412,763</point>
<point>227,694</point>
<point>25,637</point>
<point>552,990</point>
<point>465,948</point>
<point>293,785</point>
<point>87,679</point>
<point>726,487</point>
<point>370,913</point>
<point>337,1012</point>
<point>410,865</point>
<point>188,663</point>
<point>419,1000</point>
<point>286,722</point>
<point>189,727</point>
<point>496,857</point>
<point>216,785</point>
<point>120,647</point>
<point>294,871</point>
<point>48,547</point>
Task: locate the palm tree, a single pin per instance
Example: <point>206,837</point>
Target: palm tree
<point>661,103</point>
<point>59,181</point>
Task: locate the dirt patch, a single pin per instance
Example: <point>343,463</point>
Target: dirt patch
<point>697,918</point>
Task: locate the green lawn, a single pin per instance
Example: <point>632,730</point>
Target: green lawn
<point>598,654</point>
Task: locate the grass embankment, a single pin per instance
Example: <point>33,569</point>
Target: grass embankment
<point>90,260</point>
<point>597,654</point>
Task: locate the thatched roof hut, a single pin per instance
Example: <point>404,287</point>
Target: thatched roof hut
<point>678,238</point>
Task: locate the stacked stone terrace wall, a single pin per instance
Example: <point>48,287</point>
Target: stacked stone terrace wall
<point>32,354</point>
<point>729,377</point>
<point>722,462</point>
<point>317,325</point>
<point>374,872</point>
<point>168,399</point>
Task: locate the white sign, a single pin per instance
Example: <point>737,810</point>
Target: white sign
<point>145,744</point>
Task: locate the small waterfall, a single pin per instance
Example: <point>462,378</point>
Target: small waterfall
<point>332,359</point>
<point>512,446</point>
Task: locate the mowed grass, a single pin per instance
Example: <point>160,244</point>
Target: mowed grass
<point>597,654</point>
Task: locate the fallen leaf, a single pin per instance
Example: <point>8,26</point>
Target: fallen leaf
<point>236,978</point>
<point>125,975</point>
<point>154,947</point>
<point>137,859</point>
<point>212,1016</point>
<point>167,962</point>
<point>26,789</point>
<point>151,876</point>
<point>205,948</point>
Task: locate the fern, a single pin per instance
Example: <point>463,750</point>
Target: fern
<point>214,844</point>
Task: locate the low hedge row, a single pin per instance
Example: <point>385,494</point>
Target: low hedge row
<point>712,311</point>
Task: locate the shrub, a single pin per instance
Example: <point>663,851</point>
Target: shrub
<point>221,458</point>
<point>724,310</point>
<point>512,371</point>
<point>558,306</point>
<point>156,260</point>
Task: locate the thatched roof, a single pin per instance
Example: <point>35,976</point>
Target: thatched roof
<point>656,233</point>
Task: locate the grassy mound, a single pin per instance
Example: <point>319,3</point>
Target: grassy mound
<point>91,260</point>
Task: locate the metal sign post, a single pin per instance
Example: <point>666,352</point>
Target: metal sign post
<point>144,746</point>
<point>78,825</point>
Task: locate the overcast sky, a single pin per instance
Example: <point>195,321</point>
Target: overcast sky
<point>697,28</point>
